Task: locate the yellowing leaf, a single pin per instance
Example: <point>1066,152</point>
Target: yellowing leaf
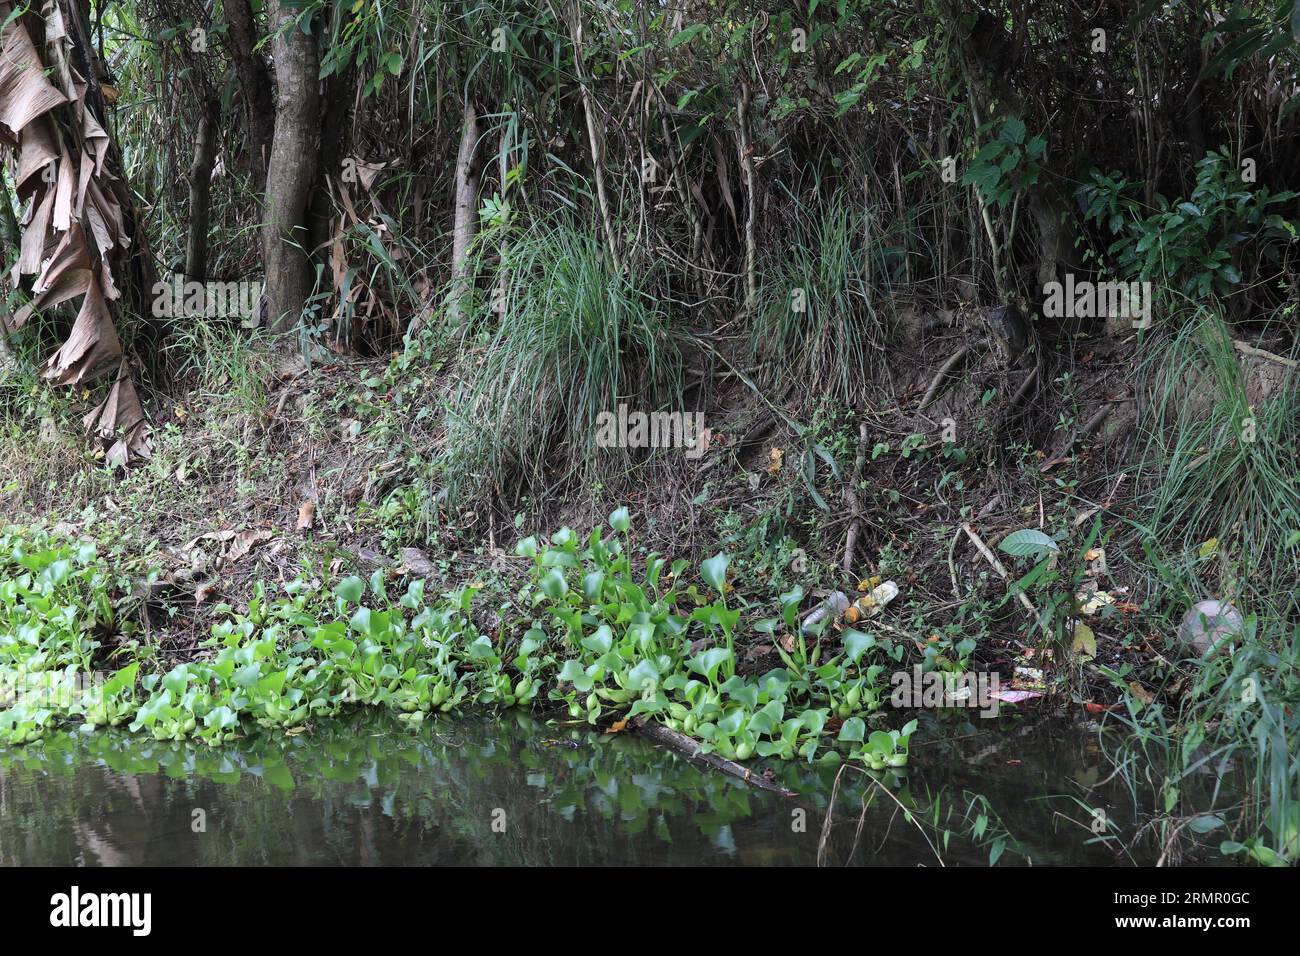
<point>777,455</point>
<point>1084,645</point>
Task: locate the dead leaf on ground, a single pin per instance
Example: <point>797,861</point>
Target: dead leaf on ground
<point>239,543</point>
<point>1140,692</point>
<point>777,455</point>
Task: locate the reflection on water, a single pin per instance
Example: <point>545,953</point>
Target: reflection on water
<point>371,790</point>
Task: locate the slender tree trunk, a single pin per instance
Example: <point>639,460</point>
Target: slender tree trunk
<point>205,155</point>
<point>254,85</point>
<point>291,170</point>
<point>466,222</point>
<point>334,141</point>
<point>596,144</point>
<point>747,166</point>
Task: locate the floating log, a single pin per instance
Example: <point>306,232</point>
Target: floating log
<point>689,748</point>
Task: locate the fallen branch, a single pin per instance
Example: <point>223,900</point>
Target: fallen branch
<point>851,499</point>
<point>689,748</point>
<point>1260,353</point>
<point>1090,426</point>
<point>998,566</point>
<point>1027,387</point>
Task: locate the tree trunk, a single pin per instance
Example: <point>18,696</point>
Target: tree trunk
<point>334,141</point>
<point>466,221</point>
<point>751,214</point>
<point>205,155</point>
<point>254,85</point>
<point>291,170</point>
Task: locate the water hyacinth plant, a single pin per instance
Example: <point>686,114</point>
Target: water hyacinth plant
<point>594,639</point>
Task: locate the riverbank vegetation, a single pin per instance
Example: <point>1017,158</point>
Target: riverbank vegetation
<point>989,311</point>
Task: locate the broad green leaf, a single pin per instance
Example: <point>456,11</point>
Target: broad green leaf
<point>1028,542</point>
<point>853,730</point>
<point>714,571</point>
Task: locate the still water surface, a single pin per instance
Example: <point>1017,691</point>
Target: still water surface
<point>371,790</point>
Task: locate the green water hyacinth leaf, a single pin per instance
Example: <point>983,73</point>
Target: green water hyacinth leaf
<point>573,672</point>
<point>553,585</point>
<point>882,742</point>
<point>350,589</point>
<point>775,682</point>
<point>643,675</point>
<point>732,722</point>
<point>600,640</point>
<point>767,719</point>
<point>620,520</point>
<point>714,571</point>
<point>247,676</point>
<point>853,730</point>
<point>856,644</point>
<point>642,634</point>
<point>741,691</point>
<point>709,661</point>
<point>527,548</point>
<point>220,718</point>
<point>176,679</point>
<point>1026,543</point>
<point>122,679</point>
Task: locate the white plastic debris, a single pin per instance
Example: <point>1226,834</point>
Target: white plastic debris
<point>880,595</point>
<point>1209,625</point>
<point>832,607</point>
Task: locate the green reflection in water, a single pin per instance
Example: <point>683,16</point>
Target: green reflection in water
<point>369,789</point>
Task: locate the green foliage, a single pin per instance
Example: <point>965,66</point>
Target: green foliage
<point>1254,33</point>
<point>631,649</point>
<point>818,324</point>
<point>595,638</point>
<point>1198,244</point>
<point>1214,465</point>
<point>56,610</point>
<point>1008,166</point>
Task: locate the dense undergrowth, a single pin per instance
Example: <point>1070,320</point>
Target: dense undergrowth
<point>583,637</point>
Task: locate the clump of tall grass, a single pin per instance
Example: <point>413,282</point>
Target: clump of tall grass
<point>1217,493</point>
<point>556,339</point>
<point>230,364</point>
<point>816,324</point>
<point>1213,465</point>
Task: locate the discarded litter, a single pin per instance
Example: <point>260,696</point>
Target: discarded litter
<point>1210,624</point>
<point>832,607</point>
<point>869,605</point>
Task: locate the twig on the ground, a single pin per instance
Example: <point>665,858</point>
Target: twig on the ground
<point>998,566</point>
<point>851,499</point>
<point>1246,349</point>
